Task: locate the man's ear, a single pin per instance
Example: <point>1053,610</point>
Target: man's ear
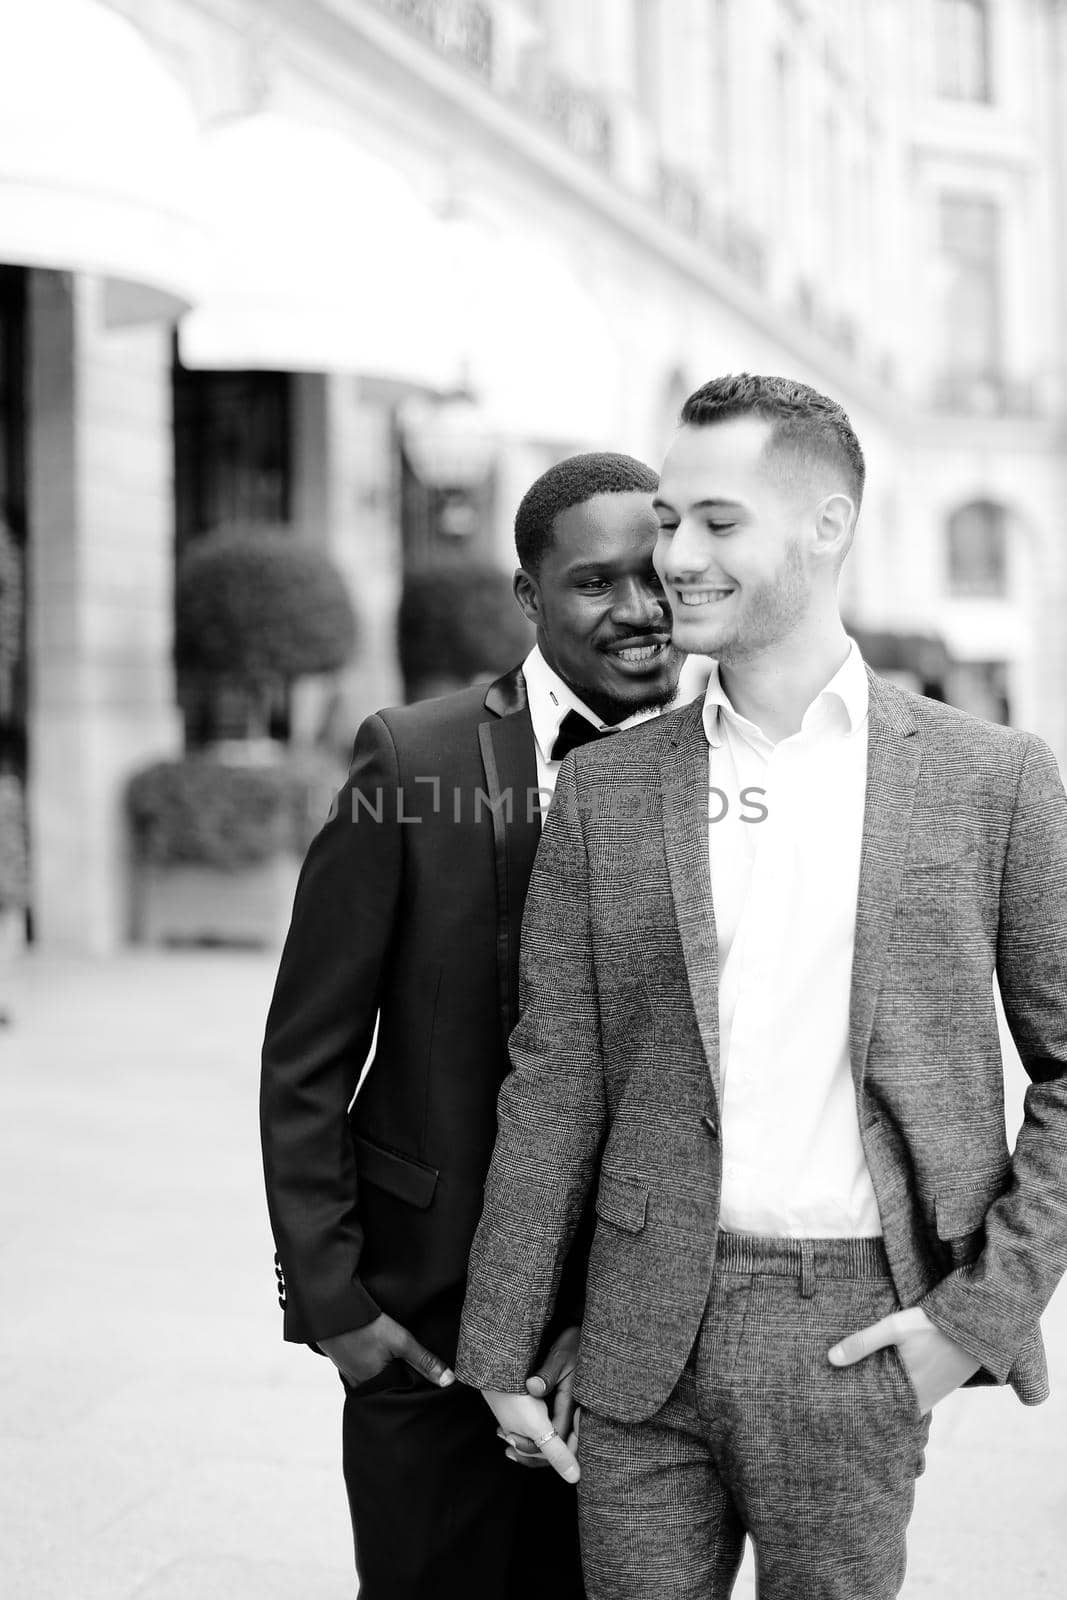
<point>528,595</point>
<point>835,521</point>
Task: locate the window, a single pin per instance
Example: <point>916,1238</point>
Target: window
<point>231,450</point>
<point>722,87</point>
<point>783,114</point>
<point>970,246</point>
<point>232,466</point>
<point>962,55</point>
<point>977,551</point>
<point>648,59</point>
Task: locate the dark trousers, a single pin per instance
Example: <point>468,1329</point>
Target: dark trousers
<point>437,1509</point>
<point>762,1437</point>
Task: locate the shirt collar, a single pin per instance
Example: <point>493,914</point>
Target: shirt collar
<point>844,702</point>
<point>550,699</point>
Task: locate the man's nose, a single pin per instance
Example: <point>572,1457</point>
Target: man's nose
<point>640,603</point>
<point>685,555</point>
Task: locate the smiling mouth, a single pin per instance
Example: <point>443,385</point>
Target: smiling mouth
<point>702,597</point>
<point>638,654</point>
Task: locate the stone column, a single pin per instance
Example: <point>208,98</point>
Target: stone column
<point>100,470</point>
<point>345,497</point>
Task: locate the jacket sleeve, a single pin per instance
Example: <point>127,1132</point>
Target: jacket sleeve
<point>992,1307</point>
<point>318,1034</point>
<point>550,1116</point>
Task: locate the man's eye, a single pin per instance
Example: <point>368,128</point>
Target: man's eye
<point>595,584</point>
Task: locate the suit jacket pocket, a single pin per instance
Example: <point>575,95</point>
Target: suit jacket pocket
<point>936,855</point>
<point>622,1200</point>
<point>398,1174</point>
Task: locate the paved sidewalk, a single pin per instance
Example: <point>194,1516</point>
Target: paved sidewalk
<point>157,1439</point>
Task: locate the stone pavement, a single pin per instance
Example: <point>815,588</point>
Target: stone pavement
<point>157,1439</point>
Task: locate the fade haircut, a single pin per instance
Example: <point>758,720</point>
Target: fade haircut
<point>572,483</point>
<point>806,425</point>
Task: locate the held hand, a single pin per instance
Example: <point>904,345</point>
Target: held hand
<point>555,1377</point>
<point>360,1354</point>
<point>523,1418</point>
<point>935,1363</point>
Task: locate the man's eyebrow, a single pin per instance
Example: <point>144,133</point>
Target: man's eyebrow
<point>714,502</point>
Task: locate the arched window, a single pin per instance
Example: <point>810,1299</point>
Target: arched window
<point>962,59</point>
<point>977,551</point>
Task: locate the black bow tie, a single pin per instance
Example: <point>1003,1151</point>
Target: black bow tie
<point>576,730</point>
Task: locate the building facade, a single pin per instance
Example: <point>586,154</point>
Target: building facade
<point>406,253</point>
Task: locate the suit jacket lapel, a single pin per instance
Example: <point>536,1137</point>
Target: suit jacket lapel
<point>510,766</point>
<point>893,755</point>
<point>685,828</point>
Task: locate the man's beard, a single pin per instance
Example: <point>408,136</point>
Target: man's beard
<point>774,608</point>
<point>615,711</point>
<point>658,702</point>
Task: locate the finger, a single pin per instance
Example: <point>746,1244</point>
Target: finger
<point>864,1343</point>
<point>521,1444</point>
<point>549,1372</point>
<point>408,1348</point>
<point>563,1406</point>
<point>561,1458</point>
<point>534,1463</point>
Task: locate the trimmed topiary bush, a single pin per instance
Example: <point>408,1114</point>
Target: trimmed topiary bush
<point>201,811</point>
<point>257,608</point>
<point>456,624</point>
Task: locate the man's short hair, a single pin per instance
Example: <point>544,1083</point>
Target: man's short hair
<point>806,425</point>
<point>571,483</point>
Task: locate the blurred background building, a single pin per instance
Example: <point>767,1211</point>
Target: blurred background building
<point>360,269</point>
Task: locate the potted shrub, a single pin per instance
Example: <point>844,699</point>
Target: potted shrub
<point>218,834</point>
<point>457,624</point>
<point>218,844</point>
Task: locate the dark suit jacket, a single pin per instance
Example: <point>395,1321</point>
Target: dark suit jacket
<point>616,1056</point>
<point>408,908</point>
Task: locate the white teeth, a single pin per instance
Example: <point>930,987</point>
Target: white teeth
<point>702,597</point>
<point>642,652</point>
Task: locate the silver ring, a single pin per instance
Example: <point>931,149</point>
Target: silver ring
<point>551,1434</point>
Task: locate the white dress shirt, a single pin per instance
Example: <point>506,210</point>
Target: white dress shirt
<point>550,699</point>
<point>784,890</point>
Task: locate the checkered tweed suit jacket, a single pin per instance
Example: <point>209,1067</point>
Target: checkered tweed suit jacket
<point>614,1082</point>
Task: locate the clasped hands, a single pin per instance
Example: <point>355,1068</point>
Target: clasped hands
<point>535,1437</point>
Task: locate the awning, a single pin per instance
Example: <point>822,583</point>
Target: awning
<point>533,345</point>
<point>98,156</point>
<point>323,260</point>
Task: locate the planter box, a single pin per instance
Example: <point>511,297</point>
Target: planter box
<point>204,905</point>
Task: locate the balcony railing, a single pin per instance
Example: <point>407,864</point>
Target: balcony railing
<point>837,328</point>
<point>576,115</point>
<point>462,29</point>
<point>681,202</point>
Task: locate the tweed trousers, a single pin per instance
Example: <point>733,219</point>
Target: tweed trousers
<point>762,1437</point>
